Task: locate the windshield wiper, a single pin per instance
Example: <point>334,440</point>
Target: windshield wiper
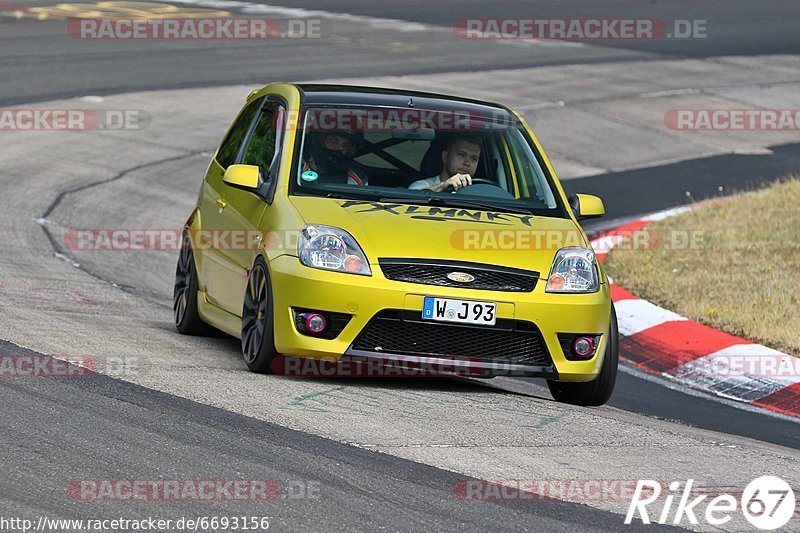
<point>438,200</point>
<point>350,196</point>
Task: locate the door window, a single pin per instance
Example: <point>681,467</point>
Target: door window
<point>264,144</point>
<point>230,147</point>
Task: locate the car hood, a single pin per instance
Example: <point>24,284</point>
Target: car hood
<point>393,230</point>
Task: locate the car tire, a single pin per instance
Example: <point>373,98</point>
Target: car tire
<point>184,295</point>
<point>258,324</point>
<point>598,391</point>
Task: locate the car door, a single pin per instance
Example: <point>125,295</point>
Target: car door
<point>213,267</point>
<point>238,211</point>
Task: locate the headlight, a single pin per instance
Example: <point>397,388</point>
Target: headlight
<point>573,271</point>
<point>331,248</point>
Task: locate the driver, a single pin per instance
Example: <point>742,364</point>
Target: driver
<point>460,158</point>
<point>329,158</point>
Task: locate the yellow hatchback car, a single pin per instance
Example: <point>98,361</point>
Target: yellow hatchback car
<point>395,227</point>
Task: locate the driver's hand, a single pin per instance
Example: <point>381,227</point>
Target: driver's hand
<point>457,182</point>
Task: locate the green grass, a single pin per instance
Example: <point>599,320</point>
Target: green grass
<point>739,274</point>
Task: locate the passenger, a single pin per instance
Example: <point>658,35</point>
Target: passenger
<point>460,158</point>
<point>329,158</point>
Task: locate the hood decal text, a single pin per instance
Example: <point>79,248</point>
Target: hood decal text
<point>439,213</point>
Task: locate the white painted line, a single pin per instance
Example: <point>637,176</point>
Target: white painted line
<point>546,43</point>
<point>742,371</point>
<point>543,105</point>
<point>755,150</point>
<point>747,349</point>
<point>67,259</point>
<point>671,92</point>
<point>635,316</point>
<point>603,245</point>
<point>667,213</point>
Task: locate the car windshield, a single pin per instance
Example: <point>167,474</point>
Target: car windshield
<point>407,156</point>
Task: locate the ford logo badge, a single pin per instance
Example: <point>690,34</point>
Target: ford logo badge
<point>461,277</point>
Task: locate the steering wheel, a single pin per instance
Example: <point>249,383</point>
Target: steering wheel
<point>486,188</point>
<point>478,181</point>
<point>475,181</point>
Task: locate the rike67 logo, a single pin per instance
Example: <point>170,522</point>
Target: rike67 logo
<point>767,503</point>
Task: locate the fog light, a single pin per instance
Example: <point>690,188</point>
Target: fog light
<point>583,346</point>
<point>352,264</point>
<point>316,323</point>
<point>556,282</point>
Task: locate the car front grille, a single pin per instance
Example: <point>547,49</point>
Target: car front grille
<point>434,272</point>
<point>402,332</point>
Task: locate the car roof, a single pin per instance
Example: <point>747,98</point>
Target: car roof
<point>329,94</point>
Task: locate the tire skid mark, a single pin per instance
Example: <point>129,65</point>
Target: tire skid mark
<point>60,251</point>
<point>341,399</point>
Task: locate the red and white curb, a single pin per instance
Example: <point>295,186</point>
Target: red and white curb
<point>664,343</point>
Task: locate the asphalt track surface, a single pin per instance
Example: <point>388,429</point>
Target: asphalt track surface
<point>688,181</point>
<point>40,61</point>
<point>92,419</point>
<point>54,430</point>
<point>736,27</point>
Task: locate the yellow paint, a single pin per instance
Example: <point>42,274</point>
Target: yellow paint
<point>123,10</point>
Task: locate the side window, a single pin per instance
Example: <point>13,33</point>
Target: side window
<point>229,148</point>
<point>263,147</point>
<point>529,174</point>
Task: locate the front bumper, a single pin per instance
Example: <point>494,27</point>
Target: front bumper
<point>366,297</point>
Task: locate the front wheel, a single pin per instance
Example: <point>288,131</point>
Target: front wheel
<point>258,334</point>
<point>597,392</point>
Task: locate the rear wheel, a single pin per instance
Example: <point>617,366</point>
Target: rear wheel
<point>258,334</point>
<point>597,392</point>
<point>184,296</point>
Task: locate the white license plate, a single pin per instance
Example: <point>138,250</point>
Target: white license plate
<point>462,311</point>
